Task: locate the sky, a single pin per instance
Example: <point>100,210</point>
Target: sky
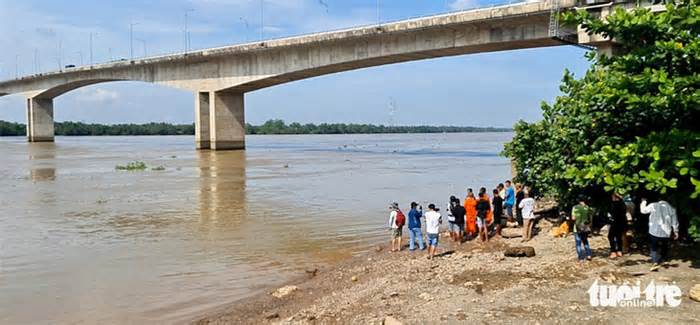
<point>488,89</point>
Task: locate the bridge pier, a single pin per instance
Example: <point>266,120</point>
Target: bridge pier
<point>201,120</point>
<point>40,120</point>
<point>219,120</point>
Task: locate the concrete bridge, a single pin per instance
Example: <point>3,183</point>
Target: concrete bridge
<point>220,77</point>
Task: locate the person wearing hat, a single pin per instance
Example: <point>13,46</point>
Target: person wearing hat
<point>396,222</point>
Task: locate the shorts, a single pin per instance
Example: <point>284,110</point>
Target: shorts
<point>433,239</point>
<point>396,232</point>
<point>455,227</point>
<point>480,222</point>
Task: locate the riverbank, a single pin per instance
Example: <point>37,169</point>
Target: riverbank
<point>471,283</point>
<point>271,127</point>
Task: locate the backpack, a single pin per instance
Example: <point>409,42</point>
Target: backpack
<point>400,219</point>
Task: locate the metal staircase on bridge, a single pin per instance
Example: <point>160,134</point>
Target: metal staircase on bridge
<point>555,31</point>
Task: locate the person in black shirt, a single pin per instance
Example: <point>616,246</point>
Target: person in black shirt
<point>458,213</point>
<point>618,225</point>
<point>519,196</point>
<point>498,219</point>
<point>483,206</point>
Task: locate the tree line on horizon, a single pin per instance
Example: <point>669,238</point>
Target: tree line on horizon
<point>269,127</point>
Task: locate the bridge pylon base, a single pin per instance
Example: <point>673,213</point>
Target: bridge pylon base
<point>40,120</point>
<point>220,120</point>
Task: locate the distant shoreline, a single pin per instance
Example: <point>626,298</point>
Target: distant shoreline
<point>272,127</point>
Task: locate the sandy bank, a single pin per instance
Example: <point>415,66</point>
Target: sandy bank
<point>472,283</point>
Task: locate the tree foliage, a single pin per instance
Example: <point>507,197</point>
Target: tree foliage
<point>280,127</point>
<point>630,124</point>
<point>269,127</point>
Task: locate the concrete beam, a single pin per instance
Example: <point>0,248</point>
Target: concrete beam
<point>40,120</point>
<point>201,120</point>
<point>227,120</point>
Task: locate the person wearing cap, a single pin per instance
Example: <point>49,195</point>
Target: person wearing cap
<point>414,225</point>
<point>395,229</point>
<point>433,219</point>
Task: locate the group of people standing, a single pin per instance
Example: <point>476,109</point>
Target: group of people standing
<point>480,215</point>
<point>663,226</point>
<point>477,217</point>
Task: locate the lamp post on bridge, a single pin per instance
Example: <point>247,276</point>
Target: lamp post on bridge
<point>187,33</point>
<point>247,28</point>
<point>145,52</point>
<point>262,20</point>
<point>131,39</point>
<point>59,55</point>
<point>37,65</point>
<point>91,56</point>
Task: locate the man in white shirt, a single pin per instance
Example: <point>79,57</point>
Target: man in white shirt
<point>433,219</point>
<point>663,223</point>
<point>528,211</point>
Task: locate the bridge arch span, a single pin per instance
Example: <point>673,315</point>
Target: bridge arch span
<point>220,77</point>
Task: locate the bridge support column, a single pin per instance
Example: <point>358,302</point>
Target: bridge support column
<point>227,121</point>
<point>201,120</point>
<point>40,120</point>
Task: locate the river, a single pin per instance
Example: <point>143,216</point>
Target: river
<point>81,242</point>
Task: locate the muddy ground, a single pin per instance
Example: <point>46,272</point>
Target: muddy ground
<point>473,283</point>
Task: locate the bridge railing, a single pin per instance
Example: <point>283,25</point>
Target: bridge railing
<point>491,5</point>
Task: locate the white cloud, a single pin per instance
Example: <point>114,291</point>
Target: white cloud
<point>464,4</point>
<point>97,95</point>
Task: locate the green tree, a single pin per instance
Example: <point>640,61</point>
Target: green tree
<point>630,124</point>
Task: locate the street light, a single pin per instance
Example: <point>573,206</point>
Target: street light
<point>37,65</point>
<point>131,38</point>
<point>262,20</point>
<point>145,53</point>
<point>247,28</point>
<point>187,33</point>
<point>80,55</point>
<point>59,55</point>
<point>91,57</point>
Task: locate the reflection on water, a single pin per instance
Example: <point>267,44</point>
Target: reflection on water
<point>42,155</point>
<point>82,242</point>
<point>222,190</point>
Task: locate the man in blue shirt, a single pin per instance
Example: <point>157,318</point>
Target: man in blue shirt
<point>414,231</point>
<point>509,201</point>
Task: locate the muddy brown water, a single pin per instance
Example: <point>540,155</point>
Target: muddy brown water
<point>83,243</point>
